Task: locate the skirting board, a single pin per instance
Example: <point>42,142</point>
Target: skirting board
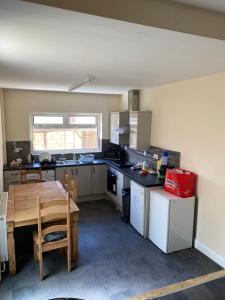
<point>91,198</point>
<point>220,260</point>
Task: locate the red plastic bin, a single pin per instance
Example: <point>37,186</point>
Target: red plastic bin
<point>180,182</point>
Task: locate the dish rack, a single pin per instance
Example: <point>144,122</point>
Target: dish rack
<point>89,158</point>
<point>3,231</point>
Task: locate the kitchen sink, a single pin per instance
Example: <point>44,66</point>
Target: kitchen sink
<point>67,161</point>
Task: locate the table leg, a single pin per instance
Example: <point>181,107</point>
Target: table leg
<point>74,233</point>
<point>11,248</point>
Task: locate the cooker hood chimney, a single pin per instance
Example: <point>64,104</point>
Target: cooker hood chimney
<point>133,100</point>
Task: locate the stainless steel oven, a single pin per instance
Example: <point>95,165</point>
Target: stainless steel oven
<point>112,180</point>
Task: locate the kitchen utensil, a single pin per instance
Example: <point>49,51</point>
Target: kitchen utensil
<point>30,158</point>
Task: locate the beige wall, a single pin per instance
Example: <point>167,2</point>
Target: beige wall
<point>189,117</point>
<point>2,139</point>
<point>124,102</point>
<point>20,103</point>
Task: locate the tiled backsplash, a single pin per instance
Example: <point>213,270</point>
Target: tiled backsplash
<point>108,150</point>
<point>26,149</point>
<point>10,150</point>
<point>134,156</point>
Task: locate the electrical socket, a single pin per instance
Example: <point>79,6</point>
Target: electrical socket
<point>18,150</point>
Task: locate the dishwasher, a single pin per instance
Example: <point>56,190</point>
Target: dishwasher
<point>48,175</point>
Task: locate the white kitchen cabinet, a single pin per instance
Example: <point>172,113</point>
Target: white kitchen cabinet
<point>83,177</point>
<point>81,173</point>
<point>123,182</point>
<point>11,177</point>
<point>91,179</point>
<point>99,179</point>
<point>140,130</point>
<point>119,120</point>
<point>59,172</point>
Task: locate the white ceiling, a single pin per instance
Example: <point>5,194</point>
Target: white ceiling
<point>50,49</point>
<point>217,5</point>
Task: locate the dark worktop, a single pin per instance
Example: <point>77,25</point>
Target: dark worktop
<point>53,165</point>
<point>147,181</point>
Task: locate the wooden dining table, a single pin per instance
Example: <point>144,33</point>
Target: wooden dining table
<point>22,212</point>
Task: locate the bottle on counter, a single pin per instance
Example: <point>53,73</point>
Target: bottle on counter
<point>164,158</point>
<point>162,165</point>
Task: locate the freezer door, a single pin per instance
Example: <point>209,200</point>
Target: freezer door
<point>181,224</point>
<point>137,208</point>
<point>159,220</point>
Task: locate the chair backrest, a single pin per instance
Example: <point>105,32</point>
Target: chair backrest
<point>72,189</point>
<point>66,179</point>
<point>27,176</point>
<point>70,185</point>
<point>51,213</point>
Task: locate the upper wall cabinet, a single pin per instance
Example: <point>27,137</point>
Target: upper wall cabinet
<point>140,129</point>
<point>119,128</point>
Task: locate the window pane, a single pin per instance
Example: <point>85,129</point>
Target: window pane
<point>38,141</point>
<point>82,120</point>
<point>86,138</point>
<point>39,120</point>
<point>55,140</point>
<point>82,136</point>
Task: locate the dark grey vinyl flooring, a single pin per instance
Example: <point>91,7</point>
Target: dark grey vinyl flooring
<point>115,262</point>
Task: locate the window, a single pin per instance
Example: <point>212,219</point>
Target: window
<point>71,132</point>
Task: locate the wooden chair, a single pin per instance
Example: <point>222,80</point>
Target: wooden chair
<point>51,214</point>
<point>66,178</point>
<point>70,184</point>
<point>35,175</point>
<point>72,190</point>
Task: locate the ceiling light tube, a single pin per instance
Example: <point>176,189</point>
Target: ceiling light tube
<point>77,86</point>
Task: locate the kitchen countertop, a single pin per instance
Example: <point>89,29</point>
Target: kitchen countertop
<point>147,181</point>
<point>53,166</point>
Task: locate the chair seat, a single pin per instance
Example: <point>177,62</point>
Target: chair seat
<point>50,245</point>
<point>54,229</point>
<point>55,236</point>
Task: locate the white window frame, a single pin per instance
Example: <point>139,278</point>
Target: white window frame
<point>66,125</point>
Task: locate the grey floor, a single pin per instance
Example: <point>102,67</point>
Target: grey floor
<point>115,262</point>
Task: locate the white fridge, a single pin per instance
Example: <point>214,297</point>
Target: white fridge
<point>171,221</point>
<point>139,207</point>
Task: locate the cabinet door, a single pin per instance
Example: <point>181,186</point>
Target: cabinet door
<point>114,124</point>
<point>119,188</point>
<point>59,173</point>
<point>83,177</point>
<point>11,177</point>
<point>133,130</point>
<point>159,221</point>
<point>137,207</point>
<point>99,179</point>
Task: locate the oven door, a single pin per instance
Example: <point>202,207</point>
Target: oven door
<point>111,181</point>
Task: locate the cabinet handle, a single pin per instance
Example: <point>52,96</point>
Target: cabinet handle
<point>72,171</point>
<point>76,171</point>
<point>93,170</point>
